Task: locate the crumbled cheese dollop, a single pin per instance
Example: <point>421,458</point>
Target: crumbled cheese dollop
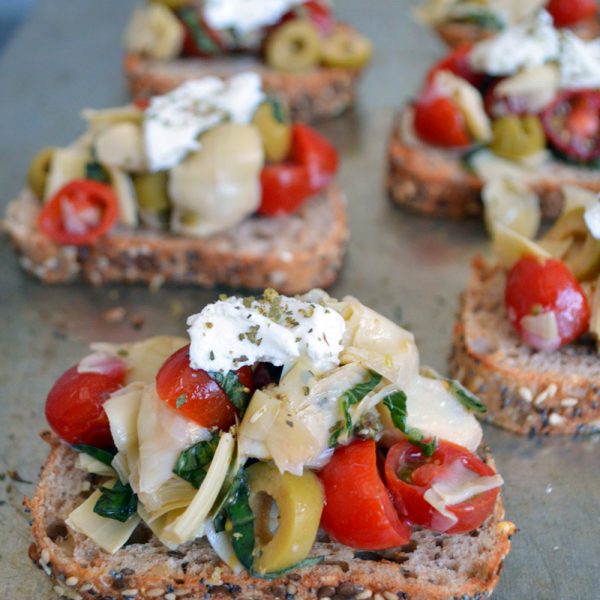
<point>524,46</point>
<point>244,16</point>
<point>277,329</point>
<point>172,122</point>
<point>579,62</point>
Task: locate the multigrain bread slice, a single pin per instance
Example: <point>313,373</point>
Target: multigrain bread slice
<point>432,567</point>
<point>526,391</point>
<point>317,94</point>
<point>293,254</point>
<point>434,181</point>
<point>456,34</point>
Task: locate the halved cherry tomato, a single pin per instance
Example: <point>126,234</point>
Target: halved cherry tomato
<point>409,474</point>
<point>79,213</point>
<point>457,62</point>
<point>534,287</point>
<point>194,394</point>
<point>316,153</point>
<point>571,12</point>
<point>572,124</point>
<point>313,164</point>
<point>439,122</point>
<point>358,510</point>
<point>74,406</point>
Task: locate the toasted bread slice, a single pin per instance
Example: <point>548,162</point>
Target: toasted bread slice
<point>526,391</point>
<point>293,254</point>
<point>314,95</point>
<point>456,33</point>
<point>434,182</point>
<point>432,567</point>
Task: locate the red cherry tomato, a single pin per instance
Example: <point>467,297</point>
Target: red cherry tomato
<point>316,153</point>
<point>74,406</point>
<point>534,287</point>
<point>571,12</point>
<point>457,62</point>
<point>194,394</point>
<point>439,122</point>
<point>572,124</point>
<point>409,474</point>
<point>284,189</point>
<point>79,213</point>
<point>313,164</point>
<point>358,511</point>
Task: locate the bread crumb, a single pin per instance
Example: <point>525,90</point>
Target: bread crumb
<point>525,394</point>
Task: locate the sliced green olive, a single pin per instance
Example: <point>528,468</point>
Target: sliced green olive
<point>582,255</point>
<point>37,175</point>
<point>517,137</point>
<point>347,49</point>
<point>299,501</point>
<point>294,46</point>
<point>275,130</point>
<point>151,191</point>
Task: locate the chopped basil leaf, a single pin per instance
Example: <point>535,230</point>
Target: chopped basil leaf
<point>469,400</point>
<point>465,397</point>
<point>349,398</point>
<point>230,383</point>
<point>467,158</point>
<point>104,456</point>
<point>203,41</point>
<point>239,513</point>
<point>307,562</point>
<point>96,172</point>
<point>278,110</point>
<point>194,462</point>
<point>396,404</point>
<point>484,19</point>
<point>118,502</point>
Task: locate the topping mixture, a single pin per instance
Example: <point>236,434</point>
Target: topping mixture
<point>270,425</point>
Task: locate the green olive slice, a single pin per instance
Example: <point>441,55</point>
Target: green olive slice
<point>275,130</point>
<point>517,137</point>
<point>294,46</point>
<point>347,49</point>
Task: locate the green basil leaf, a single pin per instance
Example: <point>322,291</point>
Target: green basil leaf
<point>396,404</point>
<point>238,511</point>
<point>230,383</point>
<point>104,456</point>
<point>465,397</point>
<point>193,463</point>
<point>118,502</point>
<point>278,110</point>
<point>336,431</point>
<point>307,562</point>
<point>203,41</point>
<point>96,172</point>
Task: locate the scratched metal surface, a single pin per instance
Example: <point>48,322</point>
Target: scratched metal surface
<point>66,57</point>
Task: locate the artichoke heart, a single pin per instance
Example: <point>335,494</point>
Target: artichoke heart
<point>217,186</point>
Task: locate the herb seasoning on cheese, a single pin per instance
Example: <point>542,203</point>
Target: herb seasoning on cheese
<point>234,332</point>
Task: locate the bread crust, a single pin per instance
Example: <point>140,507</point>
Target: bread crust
<point>163,574</point>
<point>456,34</point>
<point>519,397</point>
<point>433,182</point>
<point>293,254</point>
<point>318,94</point>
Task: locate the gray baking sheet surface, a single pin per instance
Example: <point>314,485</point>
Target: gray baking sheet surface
<point>66,57</point>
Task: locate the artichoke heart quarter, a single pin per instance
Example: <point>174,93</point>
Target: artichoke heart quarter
<point>218,186</point>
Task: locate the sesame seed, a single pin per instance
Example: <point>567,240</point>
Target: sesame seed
<point>86,587</point>
<point>45,556</point>
<point>568,402</point>
<point>390,596</point>
<point>291,589</point>
<point>555,419</point>
<point>364,595</point>
<point>547,393</point>
<point>155,593</point>
<point>182,592</point>
<point>131,593</point>
<point>378,597</point>
<point>170,596</point>
<point>71,581</point>
<point>525,394</point>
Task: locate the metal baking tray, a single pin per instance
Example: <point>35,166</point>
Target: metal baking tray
<point>67,56</point>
